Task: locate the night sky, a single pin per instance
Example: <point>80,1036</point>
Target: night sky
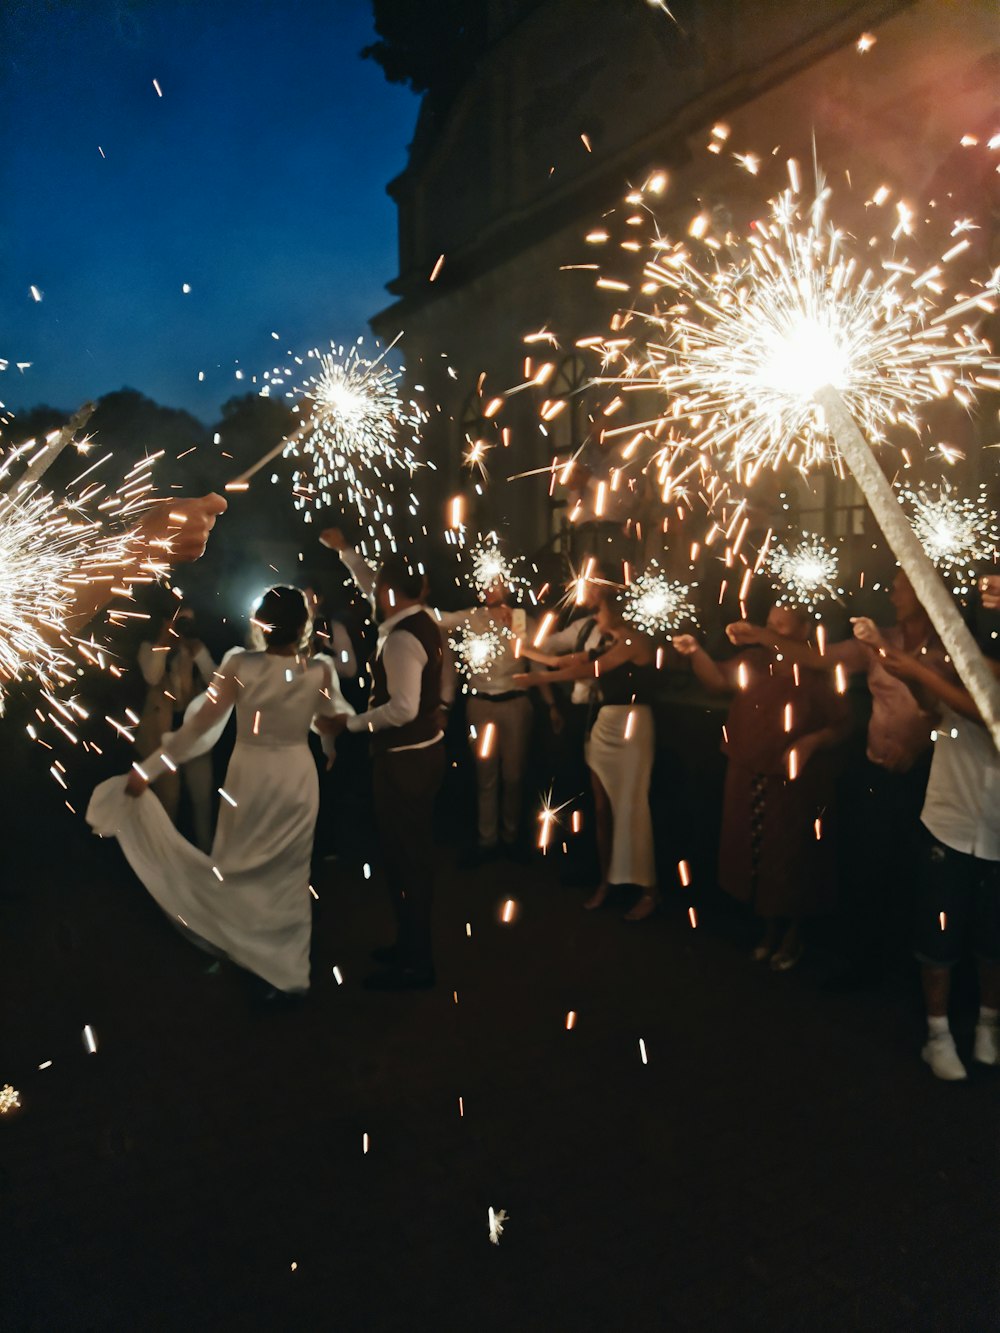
<point>258,178</point>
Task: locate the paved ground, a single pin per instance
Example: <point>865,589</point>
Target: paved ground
<point>783,1161</point>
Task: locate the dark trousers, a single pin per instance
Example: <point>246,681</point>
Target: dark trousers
<point>405,783</point>
<point>571,782</point>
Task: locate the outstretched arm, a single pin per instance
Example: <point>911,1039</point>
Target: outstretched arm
<point>709,673</point>
<point>580,666</point>
<point>931,689</point>
<point>173,532</point>
<point>204,721</point>
<point>353,561</point>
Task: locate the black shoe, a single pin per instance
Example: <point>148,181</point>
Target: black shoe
<point>388,954</point>
<point>401,978</point>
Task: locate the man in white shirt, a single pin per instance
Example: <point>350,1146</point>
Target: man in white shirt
<point>493,699</point>
<point>403,720</point>
<point>958,889</point>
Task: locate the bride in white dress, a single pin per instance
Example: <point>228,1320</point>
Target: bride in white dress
<point>249,897</point>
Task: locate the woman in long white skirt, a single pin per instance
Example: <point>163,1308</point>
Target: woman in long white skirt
<point>249,897</point>
<point>619,751</point>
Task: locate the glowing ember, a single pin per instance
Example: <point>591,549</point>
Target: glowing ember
<point>657,605</point>
<point>805,574</point>
<point>10,1099</point>
<point>477,650</point>
<point>957,533</point>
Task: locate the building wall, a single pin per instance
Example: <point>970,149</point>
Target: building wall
<point>505,188</point>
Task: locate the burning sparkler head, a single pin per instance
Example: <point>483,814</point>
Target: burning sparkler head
<point>744,331</point>
<point>357,432</point>
<point>494,575</point>
<point>477,650</point>
<point>959,534</point>
<point>657,605</point>
<point>804,574</point>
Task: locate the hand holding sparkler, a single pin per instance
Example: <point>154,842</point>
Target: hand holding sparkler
<point>742,633</point>
<point>989,591</point>
<point>179,529</point>
<point>687,645</point>
<point>135,784</point>
<point>867,632</point>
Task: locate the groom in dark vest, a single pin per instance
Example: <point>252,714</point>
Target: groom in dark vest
<point>408,762</point>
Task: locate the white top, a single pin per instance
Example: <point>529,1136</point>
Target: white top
<point>403,658</point>
<point>567,640</point>
<point>962,805</point>
<point>276,699</point>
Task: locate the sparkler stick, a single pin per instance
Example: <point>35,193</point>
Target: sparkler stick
<point>300,432</point>
<point>51,450</point>
<point>916,564</point>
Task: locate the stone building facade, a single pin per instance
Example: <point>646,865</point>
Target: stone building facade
<point>572,102</point>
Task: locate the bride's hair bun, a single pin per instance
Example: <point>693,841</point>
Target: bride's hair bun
<point>282,617</point>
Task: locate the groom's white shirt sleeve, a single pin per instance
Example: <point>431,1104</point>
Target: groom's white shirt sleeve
<point>404,659</point>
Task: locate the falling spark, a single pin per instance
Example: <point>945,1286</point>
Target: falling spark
<point>338,976</point>
<point>496,1224</point>
<point>956,532</point>
<point>156,85</point>
<point>89,1039</point>
<point>684,873</point>
<point>364,1144</point>
<point>509,911</point>
<point>657,605</point>
<point>438,266</point>
<point>36,294</point>
<point>571,1020</point>
<point>693,918</point>
<point>804,574</point>
<point>486,743</point>
<point>642,1051</point>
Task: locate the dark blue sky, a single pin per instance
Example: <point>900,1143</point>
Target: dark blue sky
<point>258,178</point>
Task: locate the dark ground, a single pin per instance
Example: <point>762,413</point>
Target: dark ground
<point>784,1161</point>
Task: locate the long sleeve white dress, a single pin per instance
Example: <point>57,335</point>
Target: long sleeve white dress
<point>249,897</point>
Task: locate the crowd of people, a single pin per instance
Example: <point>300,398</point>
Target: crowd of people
<point>930,791</point>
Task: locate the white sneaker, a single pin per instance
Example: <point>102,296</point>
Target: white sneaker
<point>943,1059</point>
<point>987,1044</point>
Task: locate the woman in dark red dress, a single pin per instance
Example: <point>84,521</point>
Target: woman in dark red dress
<point>776,850</point>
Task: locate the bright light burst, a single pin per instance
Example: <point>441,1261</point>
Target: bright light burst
<point>746,329</point>
<point>657,605</point>
<point>10,1099</point>
<point>957,533</point>
<point>489,565</point>
<point>478,650</point>
<point>357,432</point>
<point>805,574</point>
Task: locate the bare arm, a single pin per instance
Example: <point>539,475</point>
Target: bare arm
<point>171,533</point>
<point>709,673</point>
<point>931,689</point>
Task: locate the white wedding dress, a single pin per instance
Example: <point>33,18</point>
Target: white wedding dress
<point>250,896</point>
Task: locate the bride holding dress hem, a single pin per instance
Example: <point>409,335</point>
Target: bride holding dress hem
<point>249,897</point>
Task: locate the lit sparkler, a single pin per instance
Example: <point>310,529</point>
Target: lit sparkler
<point>489,565</point>
<point>478,650</point>
<point>957,533</point>
<point>805,574</point>
<point>783,345</point>
<point>10,1099</point>
<point>356,433</point>
<point>657,605</point>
